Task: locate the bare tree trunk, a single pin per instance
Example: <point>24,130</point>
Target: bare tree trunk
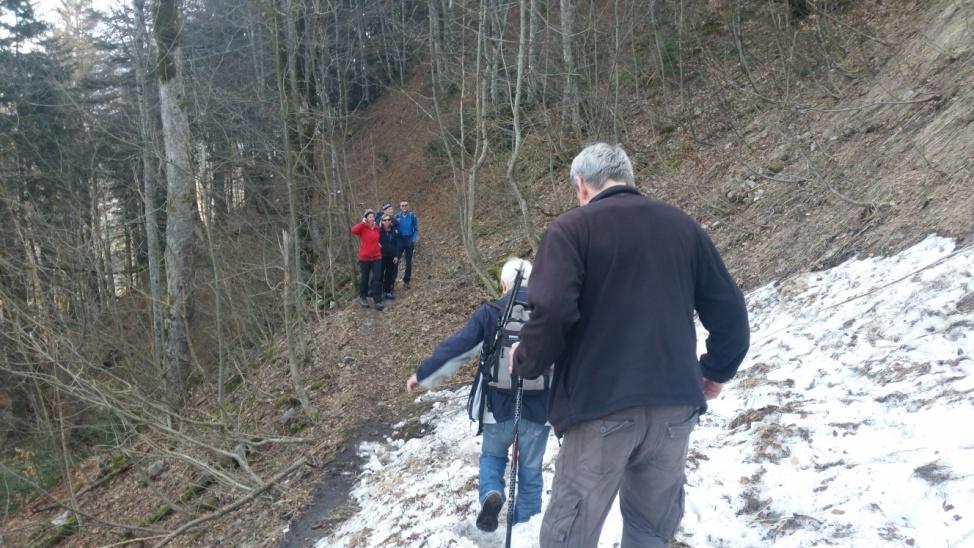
<point>481,82</point>
<point>737,29</point>
<point>285,67</point>
<point>660,59</point>
<point>534,51</point>
<point>147,132</point>
<point>220,173</point>
<point>497,23</point>
<point>522,204</point>
<point>466,195</point>
<point>96,252</point>
<point>401,57</point>
<point>436,45</point>
<point>295,341</point>
<point>181,200</point>
<point>569,105</point>
<point>617,23</point>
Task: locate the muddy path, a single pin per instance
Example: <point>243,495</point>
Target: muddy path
<point>331,501</point>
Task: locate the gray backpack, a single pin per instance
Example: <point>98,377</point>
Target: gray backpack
<point>500,364</point>
<point>494,371</point>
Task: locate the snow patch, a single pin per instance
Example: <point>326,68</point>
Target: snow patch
<point>849,423</point>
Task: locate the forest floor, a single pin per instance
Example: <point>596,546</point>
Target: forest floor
<point>870,170</point>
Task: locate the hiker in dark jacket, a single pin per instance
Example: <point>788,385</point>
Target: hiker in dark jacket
<point>498,423</point>
<point>369,260</point>
<point>615,286</point>
<point>389,241</point>
<point>408,225</point>
<point>386,209</point>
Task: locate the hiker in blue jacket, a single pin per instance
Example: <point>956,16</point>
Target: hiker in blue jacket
<point>498,418</point>
<point>408,225</point>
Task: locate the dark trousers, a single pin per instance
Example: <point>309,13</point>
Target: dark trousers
<point>371,279</point>
<point>389,271</point>
<point>407,252</point>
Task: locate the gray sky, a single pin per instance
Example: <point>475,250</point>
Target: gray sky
<point>46,9</point>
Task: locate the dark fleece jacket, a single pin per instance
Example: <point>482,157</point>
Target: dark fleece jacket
<point>613,292</point>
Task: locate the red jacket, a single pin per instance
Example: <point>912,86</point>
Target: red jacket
<point>368,247</point>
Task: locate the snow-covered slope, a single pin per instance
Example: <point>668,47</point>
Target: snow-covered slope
<point>851,423</point>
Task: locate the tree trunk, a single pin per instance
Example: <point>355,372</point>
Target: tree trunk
<point>481,82</point>
<point>436,30</point>
<point>147,133</point>
<point>180,202</point>
<point>466,194</point>
<point>220,172</point>
<point>534,51</point>
<point>569,102</point>
<point>522,204</point>
<point>285,55</point>
<point>497,23</point>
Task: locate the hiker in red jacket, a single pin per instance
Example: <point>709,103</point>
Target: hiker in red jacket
<point>369,260</point>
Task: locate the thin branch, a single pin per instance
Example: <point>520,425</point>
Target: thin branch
<point>68,507</point>
<point>231,507</point>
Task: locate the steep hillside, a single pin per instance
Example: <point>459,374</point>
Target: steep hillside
<point>886,163</point>
<point>784,184</point>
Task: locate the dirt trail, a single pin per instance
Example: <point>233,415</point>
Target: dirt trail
<point>381,348</point>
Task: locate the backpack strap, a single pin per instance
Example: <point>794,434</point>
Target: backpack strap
<point>477,401</point>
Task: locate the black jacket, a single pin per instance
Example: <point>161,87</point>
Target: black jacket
<point>613,292</point>
<point>389,242</point>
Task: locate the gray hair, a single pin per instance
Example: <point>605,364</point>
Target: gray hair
<point>510,268</point>
<point>599,162</point>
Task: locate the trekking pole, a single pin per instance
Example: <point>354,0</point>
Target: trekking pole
<point>514,458</point>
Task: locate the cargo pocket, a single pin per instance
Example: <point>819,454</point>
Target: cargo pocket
<point>557,529</point>
<point>674,515</point>
<point>674,442</point>
<point>606,445</point>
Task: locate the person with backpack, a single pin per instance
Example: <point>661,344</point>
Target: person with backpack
<point>389,241</point>
<point>496,415</point>
<point>614,291</point>
<point>369,260</point>
<point>408,225</point>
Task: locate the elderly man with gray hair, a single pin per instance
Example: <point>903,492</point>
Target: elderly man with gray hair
<point>614,289</point>
<point>497,414</point>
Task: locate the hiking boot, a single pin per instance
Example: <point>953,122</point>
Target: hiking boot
<point>388,296</point>
<point>487,519</point>
<point>405,284</point>
<point>363,302</point>
<point>379,305</point>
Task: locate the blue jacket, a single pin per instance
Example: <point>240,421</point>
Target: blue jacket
<point>408,225</point>
<point>451,354</point>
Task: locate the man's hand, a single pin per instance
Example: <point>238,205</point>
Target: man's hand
<point>412,384</point>
<point>711,389</point>
<point>395,260</point>
<point>513,353</point>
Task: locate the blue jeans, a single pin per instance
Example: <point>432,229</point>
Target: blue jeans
<point>493,460</point>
